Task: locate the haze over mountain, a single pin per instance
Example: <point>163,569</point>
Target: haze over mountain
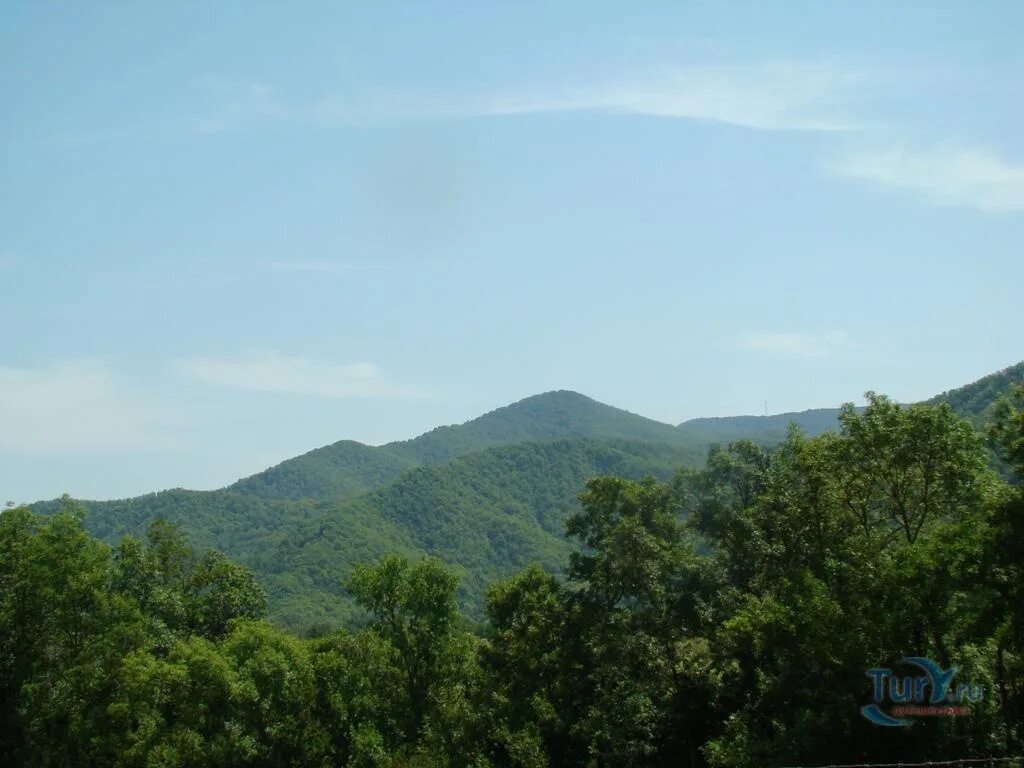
<point>487,496</point>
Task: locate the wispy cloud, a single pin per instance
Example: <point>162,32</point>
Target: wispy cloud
<point>76,407</point>
<point>273,372</point>
<point>950,176</point>
<point>803,345</point>
<point>773,96</point>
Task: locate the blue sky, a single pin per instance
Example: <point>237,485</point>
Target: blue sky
<point>233,232</point>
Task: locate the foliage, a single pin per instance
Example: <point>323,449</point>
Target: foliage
<point>976,400</point>
<point>768,430</point>
<point>345,468</point>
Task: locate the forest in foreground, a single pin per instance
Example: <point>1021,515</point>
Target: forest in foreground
<point>730,616</point>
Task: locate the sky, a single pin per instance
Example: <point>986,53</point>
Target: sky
<point>233,232</point>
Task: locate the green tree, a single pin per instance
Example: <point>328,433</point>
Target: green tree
<point>854,552</point>
<point>1005,567</point>
<point>529,659</point>
<point>219,591</point>
<point>413,609</point>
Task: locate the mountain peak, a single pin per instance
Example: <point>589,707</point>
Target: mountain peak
<point>553,415</point>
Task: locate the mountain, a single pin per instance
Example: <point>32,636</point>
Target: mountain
<point>974,401</point>
<point>488,514</point>
<point>346,468</point>
<point>488,496</point>
<point>341,469</point>
<point>549,416</point>
<point>767,430</point>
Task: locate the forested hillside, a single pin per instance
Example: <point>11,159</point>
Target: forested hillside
<point>975,401</point>
<point>549,416</point>
<point>347,468</point>
<point>764,430</point>
<point>487,514</point>
<point>972,401</point>
<point>342,469</point>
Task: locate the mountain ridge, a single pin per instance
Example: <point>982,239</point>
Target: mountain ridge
<point>556,414</point>
<point>456,492</point>
<point>348,467</point>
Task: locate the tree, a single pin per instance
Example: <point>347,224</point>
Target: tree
<point>1005,566</point>
<point>220,591</point>
<point>413,609</point>
<point>853,552</point>
<point>533,697</point>
<point>637,591</point>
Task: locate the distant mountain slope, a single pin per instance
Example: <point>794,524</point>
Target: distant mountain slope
<point>488,513</point>
<point>342,469</point>
<point>974,401</point>
<point>347,468</point>
<point>768,430</point>
<point>488,496</point>
<point>212,519</point>
<point>548,416</point>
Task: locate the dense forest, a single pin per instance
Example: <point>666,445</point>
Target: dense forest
<point>728,615</point>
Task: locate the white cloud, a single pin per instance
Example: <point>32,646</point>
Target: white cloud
<point>276,373</point>
<point>804,345</point>
<point>76,407</point>
<point>786,97</point>
<point>951,176</point>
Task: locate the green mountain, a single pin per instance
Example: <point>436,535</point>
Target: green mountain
<point>342,469</point>
<point>347,468</point>
<point>767,430</point>
<point>549,416</point>
<point>974,401</point>
<point>487,496</point>
<point>488,514</point>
